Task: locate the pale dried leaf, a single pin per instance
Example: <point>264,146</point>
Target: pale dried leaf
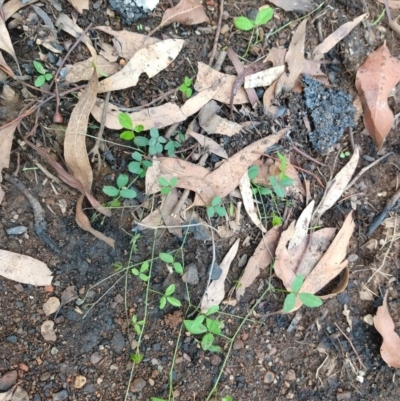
<point>75,153</point>
<point>6,138</point>
<point>302,225</point>
<point>335,37</point>
<point>172,222</point>
<point>207,77</point>
<point>186,12</point>
<point>214,124</point>
<point>150,60</point>
<point>276,56</point>
<point>108,52</point>
<point>268,97</point>
<point>261,259</point>
<point>1,195</point>
<point>383,322</point>
<point>215,293</point>
<point>69,295</point>
<point>5,41</point>
<point>248,201</point>
<point>337,185</point>
<point>66,24</point>
<point>295,60</point>
<point>51,306</point>
<point>47,330</point>
<point>12,6</point>
<point>151,220</point>
<point>159,117</point>
<point>263,78</point>
<point>80,5</point>
<point>24,269</point>
<point>83,70</point>
<point>294,5</point>
<point>127,43</point>
<point>84,223</point>
<point>209,145</point>
<point>375,79</point>
<point>395,4</point>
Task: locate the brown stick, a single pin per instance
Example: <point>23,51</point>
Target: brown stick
<point>217,33</point>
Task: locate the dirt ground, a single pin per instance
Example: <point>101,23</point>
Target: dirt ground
<point>326,353</point>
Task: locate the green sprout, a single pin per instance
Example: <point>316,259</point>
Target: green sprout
<point>168,298</point>
<point>166,185</point>
<point>141,272</point>
<point>126,122</point>
<point>121,188</point>
<point>308,299</point>
<point>186,87</point>
<point>216,207</point>
<point>169,260</point>
<point>44,75</point>
<point>137,325</point>
<point>345,154</point>
<point>139,165</point>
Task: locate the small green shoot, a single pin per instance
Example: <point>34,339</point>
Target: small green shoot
<point>126,122</point>
<point>156,142</point>
<point>168,298</point>
<point>133,242</point>
<point>310,300</point>
<point>166,185</point>
<point>227,398</point>
<point>276,220</point>
<point>120,189</point>
<point>211,327</point>
<point>141,272</point>
<point>186,87</point>
<point>139,165</point>
<point>137,358</point>
<point>216,207</point>
<point>137,324</point>
<point>44,75</point>
<point>169,260</point>
<point>345,154</point>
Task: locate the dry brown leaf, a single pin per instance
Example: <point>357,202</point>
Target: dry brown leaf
<point>83,70</point>
<point>108,52</point>
<point>291,5</point>
<point>335,37</point>
<point>214,124</point>
<point>1,195</point>
<point>150,60</point>
<point>5,40</point>
<point>302,225</point>
<point>186,12</point>
<point>24,269</point>
<point>84,223</point>
<point>395,4</point>
<point>6,138</point>
<point>248,201</point>
<point>294,59</point>
<point>262,257</point>
<point>375,79</point>
<point>160,116</point>
<point>215,293</point>
<point>263,78</point>
<point>207,77</point>
<point>127,43</point>
<point>12,6</point>
<point>268,97</point>
<point>80,5</point>
<point>75,152</point>
<point>383,322</point>
<point>209,145</point>
<point>167,207</point>
<point>276,56</point>
<point>337,185</point>
<point>66,24</point>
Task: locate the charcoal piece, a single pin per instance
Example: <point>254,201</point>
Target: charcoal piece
<point>331,112</point>
<point>127,10</point>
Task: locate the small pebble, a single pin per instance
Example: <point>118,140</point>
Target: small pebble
<point>95,358</point>
<point>16,230</point>
<point>238,344</point>
<point>54,351</point>
<point>137,385</point>
<point>7,380</point>
<point>290,375</point>
<point>12,339</point>
<point>352,258</point>
<point>215,360</point>
<point>79,381</point>
<point>60,396</point>
<point>346,395</point>
<point>97,4</point>
<point>269,377</point>
<point>191,276</point>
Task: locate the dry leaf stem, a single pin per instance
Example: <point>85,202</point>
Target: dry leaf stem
<point>217,33</point>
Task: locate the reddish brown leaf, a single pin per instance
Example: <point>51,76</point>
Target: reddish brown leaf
<point>374,80</point>
<point>383,322</point>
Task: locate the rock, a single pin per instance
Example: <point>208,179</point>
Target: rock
<point>134,344</point>
<point>225,29</point>
<point>137,385</point>
<point>45,376</point>
<point>47,330</point>
<point>60,396</point>
<point>95,358</point>
<point>238,344</point>
<point>269,377</point>
<point>79,381</point>
<point>346,395</point>
<point>12,339</point>
<point>90,341</point>
<point>16,230</point>
<point>8,380</point>
<point>118,342</point>
<point>290,375</point>
<point>215,360</point>
<point>51,306</point>
<point>191,276</point>
<point>20,394</point>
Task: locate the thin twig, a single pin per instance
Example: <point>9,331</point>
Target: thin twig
<point>308,156</point>
<point>217,33</point>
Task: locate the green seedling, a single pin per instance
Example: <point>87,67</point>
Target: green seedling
<point>134,240</point>
<point>186,87</point>
<point>308,299</point>
<point>139,165</point>
<point>137,325</point>
<point>137,358</point>
<point>246,24</point>
<point>276,220</point>
<point>166,185</point>
<point>167,298</point>
<point>345,154</point>
<point>171,146</point>
<point>156,142</point>
<point>126,122</point>
<point>141,272</point>
<point>170,261</point>
<point>44,75</point>
<point>120,189</point>
<point>227,398</point>
<point>209,329</point>
<point>216,208</point>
